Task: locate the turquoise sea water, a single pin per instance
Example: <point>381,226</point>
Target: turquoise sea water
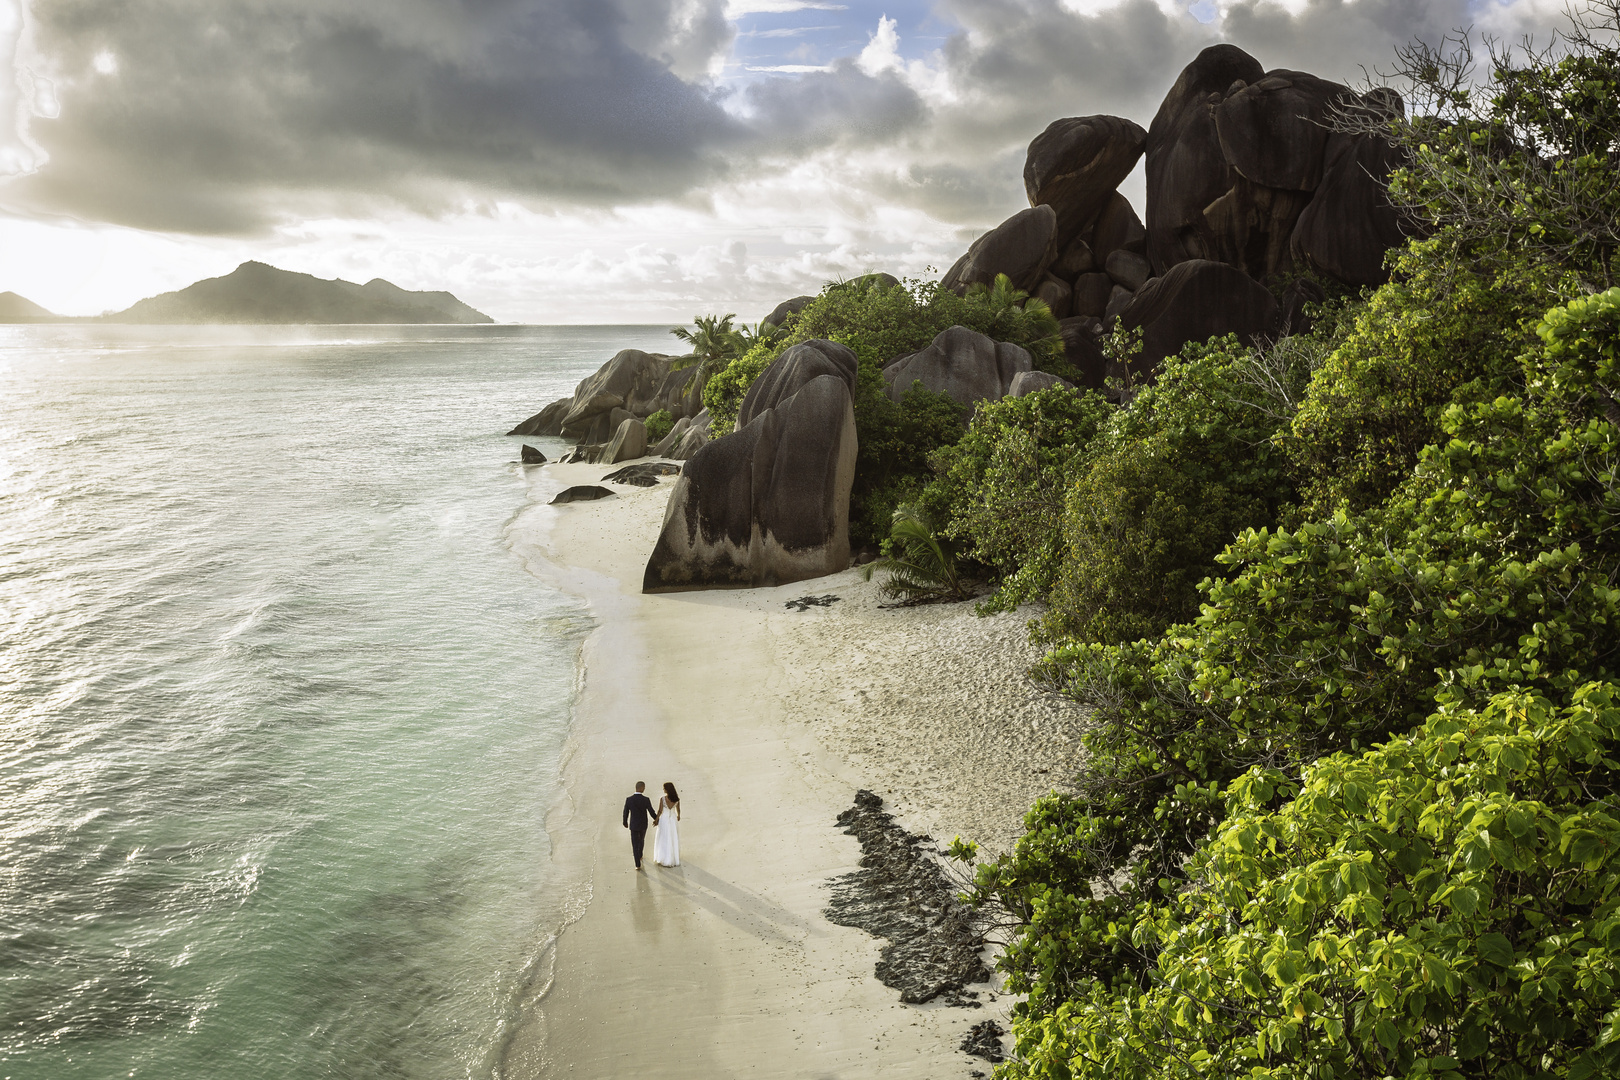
<point>280,712</point>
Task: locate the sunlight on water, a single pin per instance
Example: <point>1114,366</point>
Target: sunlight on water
<point>280,714</point>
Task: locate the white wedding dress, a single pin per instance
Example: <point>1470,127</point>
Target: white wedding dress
<point>667,845</point>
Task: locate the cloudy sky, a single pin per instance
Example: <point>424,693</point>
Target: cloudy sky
<point>585,160</point>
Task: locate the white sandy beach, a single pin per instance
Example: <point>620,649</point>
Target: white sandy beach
<point>768,720</point>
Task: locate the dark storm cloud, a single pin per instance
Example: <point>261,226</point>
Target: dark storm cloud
<point>221,112</point>
<point>227,115</point>
<point>801,112</point>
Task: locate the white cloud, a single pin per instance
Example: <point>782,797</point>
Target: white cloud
<point>736,9</point>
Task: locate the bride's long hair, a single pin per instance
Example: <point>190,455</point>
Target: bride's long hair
<point>669,789</point>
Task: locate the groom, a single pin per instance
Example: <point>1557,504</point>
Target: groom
<point>636,809</point>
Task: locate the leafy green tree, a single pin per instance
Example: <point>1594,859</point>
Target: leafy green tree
<point>1438,332</point>
<point>1446,905</point>
<point>1167,484</point>
<point>1493,570</point>
<point>1001,488</point>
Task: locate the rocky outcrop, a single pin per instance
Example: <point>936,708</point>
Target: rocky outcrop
<point>632,385</point>
<point>779,314</point>
<point>532,456</point>
<point>628,442</point>
<point>548,421</point>
<point>1022,247</point>
<point>768,503</point>
<point>1243,167</point>
<point>1075,165</point>
<point>963,364</point>
<point>1197,300</point>
<point>1030,382</point>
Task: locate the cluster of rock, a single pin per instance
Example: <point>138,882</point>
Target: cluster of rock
<point>607,413</point>
<point>901,894</point>
<point>769,503</point>
<point>1248,184</point>
<point>968,367</point>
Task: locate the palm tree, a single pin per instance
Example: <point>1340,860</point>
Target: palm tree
<point>763,332</point>
<point>714,343</point>
<point>923,567</point>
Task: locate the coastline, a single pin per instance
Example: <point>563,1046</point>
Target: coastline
<point>768,719</point>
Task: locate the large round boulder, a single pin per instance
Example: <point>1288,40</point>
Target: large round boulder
<point>1022,247</point>
<point>1075,165</point>
<point>1196,300</point>
<point>963,364</point>
<point>1274,131</point>
<point>793,369</point>
<point>767,504</point>
<point>779,314</point>
<point>1186,167</point>
<point>1350,224</point>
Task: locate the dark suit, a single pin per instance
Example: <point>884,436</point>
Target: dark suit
<point>636,809</point>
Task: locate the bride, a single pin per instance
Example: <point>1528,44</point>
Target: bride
<point>667,847</point>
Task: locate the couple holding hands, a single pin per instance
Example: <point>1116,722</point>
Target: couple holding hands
<point>667,847</point>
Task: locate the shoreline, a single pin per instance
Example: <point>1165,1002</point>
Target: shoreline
<point>768,720</point>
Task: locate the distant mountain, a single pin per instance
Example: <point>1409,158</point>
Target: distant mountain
<point>14,308</point>
<point>257,293</point>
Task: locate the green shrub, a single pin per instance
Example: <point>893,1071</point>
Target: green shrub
<point>1437,333</point>
<point>1445,905</point>
<point>1495,567</point>
<point>1166,485</point>
<point>1000,488</point>
<point>658,425</point>
<point>920,565</point>
<point>723,394</point>
<point>881,323</point>
<point>896,441</point>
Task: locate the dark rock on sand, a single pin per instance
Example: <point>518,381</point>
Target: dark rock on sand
<point>581,493</point>
<point>645,474</point>
<point>901,894</point>
<point>984,1041</point>
<point>629,442</point>
<point>531,456</point>
<point>769,503</point>
<point>805,603</point>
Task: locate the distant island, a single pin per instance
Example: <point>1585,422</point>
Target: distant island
<point>258,293</point>
<point>14,309</point>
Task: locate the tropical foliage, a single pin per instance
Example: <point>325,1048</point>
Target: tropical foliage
<point>920,565</point>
